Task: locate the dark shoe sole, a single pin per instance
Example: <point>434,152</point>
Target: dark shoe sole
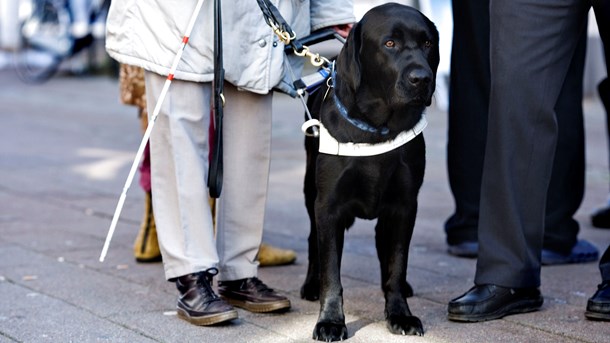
<point>149,260</point>
<point>597,315</point>
<point>210,319</point>
<point>522,306</point>
<point>259,307</point>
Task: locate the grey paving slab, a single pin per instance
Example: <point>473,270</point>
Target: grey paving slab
<point>30,316</point>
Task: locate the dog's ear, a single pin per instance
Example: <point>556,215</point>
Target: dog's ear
<point>434,57</point>
<point>348,62</point>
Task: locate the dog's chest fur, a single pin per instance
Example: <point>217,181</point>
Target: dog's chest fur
<point>366,186</point>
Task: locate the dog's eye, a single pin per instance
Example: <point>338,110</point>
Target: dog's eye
<point>390,44</point>
<point>428,44</point>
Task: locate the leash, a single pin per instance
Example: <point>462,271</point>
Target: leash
<point>274,18</point>
<point>280,27</point>
<point>148,131</point>
<point>215,170</point>
<point>298,47</point>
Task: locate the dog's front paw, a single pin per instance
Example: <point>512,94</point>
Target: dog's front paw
<point>310,291</point>
<point>330,332</point>
<point>405,325</point>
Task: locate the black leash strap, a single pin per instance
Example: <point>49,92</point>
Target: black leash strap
<point>216,166</point>
<point>280,27</point>
<point>274,18</point>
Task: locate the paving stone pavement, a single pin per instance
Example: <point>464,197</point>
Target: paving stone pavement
<point>65,152</point>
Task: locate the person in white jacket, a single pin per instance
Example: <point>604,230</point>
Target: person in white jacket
<point>148,34</point>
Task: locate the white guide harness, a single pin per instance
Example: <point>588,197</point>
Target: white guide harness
<point>329,145</point>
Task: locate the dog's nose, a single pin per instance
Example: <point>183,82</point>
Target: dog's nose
<point>419,77</point>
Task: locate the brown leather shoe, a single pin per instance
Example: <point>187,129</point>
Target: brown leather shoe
<point>198,304</point>
<point>253,295</point>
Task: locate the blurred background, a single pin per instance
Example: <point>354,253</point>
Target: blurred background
<point>13,14</point>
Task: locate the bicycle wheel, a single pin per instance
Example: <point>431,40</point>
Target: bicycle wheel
<point>46,41</point>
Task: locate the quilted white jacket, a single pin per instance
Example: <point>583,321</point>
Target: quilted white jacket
<point>148,33</point>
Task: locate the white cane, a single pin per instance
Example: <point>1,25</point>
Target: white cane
<point>146,136</point>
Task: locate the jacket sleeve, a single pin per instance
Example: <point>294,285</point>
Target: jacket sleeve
<point>325,13</point>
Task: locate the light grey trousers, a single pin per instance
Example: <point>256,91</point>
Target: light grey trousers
<point>179,169</point>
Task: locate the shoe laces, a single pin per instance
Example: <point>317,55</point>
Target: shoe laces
<point>259,285</point>
<point>204,283</point>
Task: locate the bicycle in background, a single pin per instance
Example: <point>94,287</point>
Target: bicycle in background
<point>49,36</point>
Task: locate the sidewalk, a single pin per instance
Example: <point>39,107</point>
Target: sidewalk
<point>65,153</point>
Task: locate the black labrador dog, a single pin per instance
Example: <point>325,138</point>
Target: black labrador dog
<point>383,80</point>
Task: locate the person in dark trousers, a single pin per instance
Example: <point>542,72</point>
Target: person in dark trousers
<point>598,306</point>
<point>532,45</point>
<point>601,217</point>
<point>467,132</point>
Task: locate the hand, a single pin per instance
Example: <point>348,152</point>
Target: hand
<point>343,30</point>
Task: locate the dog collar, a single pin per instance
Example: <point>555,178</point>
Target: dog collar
<point>357,122</point>
<point>329,145</point>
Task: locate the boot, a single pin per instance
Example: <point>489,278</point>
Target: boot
<point>146,246</point>
<point>269,255</point>
<point>198,304</point>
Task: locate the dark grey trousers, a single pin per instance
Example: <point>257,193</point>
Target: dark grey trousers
<point>467,132</point>
<point>602,15</point>
<point>532,43</point>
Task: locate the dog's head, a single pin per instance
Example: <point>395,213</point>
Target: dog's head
<point>390,59</point>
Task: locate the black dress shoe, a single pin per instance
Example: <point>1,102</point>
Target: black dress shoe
<point>253,295</point>
<point>198,304</point>
<point>488,302</point>
<point>601,218</point>
<point>598,307</point>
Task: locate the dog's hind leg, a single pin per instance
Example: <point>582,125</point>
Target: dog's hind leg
<point>393,235</point>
